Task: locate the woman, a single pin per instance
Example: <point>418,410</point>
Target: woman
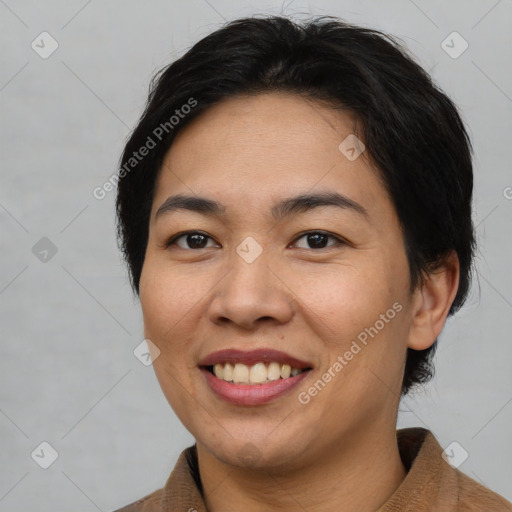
<point>295,210</point>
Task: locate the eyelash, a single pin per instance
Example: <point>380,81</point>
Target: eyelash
<point>176,237</point>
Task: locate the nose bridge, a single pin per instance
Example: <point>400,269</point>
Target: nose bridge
<point>250,290</point>
<point>249,265</point>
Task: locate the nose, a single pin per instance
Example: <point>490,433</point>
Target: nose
<point>251,293</point>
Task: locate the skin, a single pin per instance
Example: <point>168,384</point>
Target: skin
<point>248,153</point>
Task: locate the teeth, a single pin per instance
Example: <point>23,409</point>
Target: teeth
<point>228,372</point>
<point>273,372</point>
<point>258,373</point>
<point>286,370</point>
<point>217,369</point>
<point>240,374</point>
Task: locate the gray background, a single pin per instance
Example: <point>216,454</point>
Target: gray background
<point>70,324</point>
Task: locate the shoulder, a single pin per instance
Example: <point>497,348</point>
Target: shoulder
<point>432,483</point>
<point>474,497</point>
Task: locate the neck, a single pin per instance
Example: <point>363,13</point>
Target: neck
<point>362,474</point>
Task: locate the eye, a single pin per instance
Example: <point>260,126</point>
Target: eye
<point>318,239</point>
<point>195,240</point>
<point>199,240</point>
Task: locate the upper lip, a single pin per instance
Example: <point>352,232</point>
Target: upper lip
<point>251,357</point>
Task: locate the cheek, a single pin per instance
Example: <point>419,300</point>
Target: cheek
<point>167,306</point>
<point>167,299</point>
<point>359,314</point>
<point>166,294</point>
<point>344,300</point>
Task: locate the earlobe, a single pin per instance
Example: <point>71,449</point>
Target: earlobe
<point>432,303</point>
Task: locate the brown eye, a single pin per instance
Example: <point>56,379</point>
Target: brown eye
<point>318,239</point>
<point>192,240</point>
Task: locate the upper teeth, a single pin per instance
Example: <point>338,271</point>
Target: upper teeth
<point>255,374</point>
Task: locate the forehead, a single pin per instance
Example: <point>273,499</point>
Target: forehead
<point>256,149</point>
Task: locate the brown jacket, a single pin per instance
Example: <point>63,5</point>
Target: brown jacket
<point>431,484</point>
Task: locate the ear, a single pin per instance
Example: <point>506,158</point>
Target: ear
<point>432,302</point>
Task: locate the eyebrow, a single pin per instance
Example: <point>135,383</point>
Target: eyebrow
<point>297,204</point>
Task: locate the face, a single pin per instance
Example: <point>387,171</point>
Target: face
<point>326,285</point>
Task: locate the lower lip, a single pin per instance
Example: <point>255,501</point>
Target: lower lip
<point>251,394</point>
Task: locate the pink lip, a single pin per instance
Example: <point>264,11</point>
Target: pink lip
<point>251,394</point>
<point>252,357</point>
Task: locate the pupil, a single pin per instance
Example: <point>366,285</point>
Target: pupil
<point>193,241</point>
<point>315,237</point>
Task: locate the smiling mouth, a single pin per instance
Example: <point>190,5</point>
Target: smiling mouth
<point>256,374</point>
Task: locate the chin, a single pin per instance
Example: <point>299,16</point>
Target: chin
<point>253,451</point>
